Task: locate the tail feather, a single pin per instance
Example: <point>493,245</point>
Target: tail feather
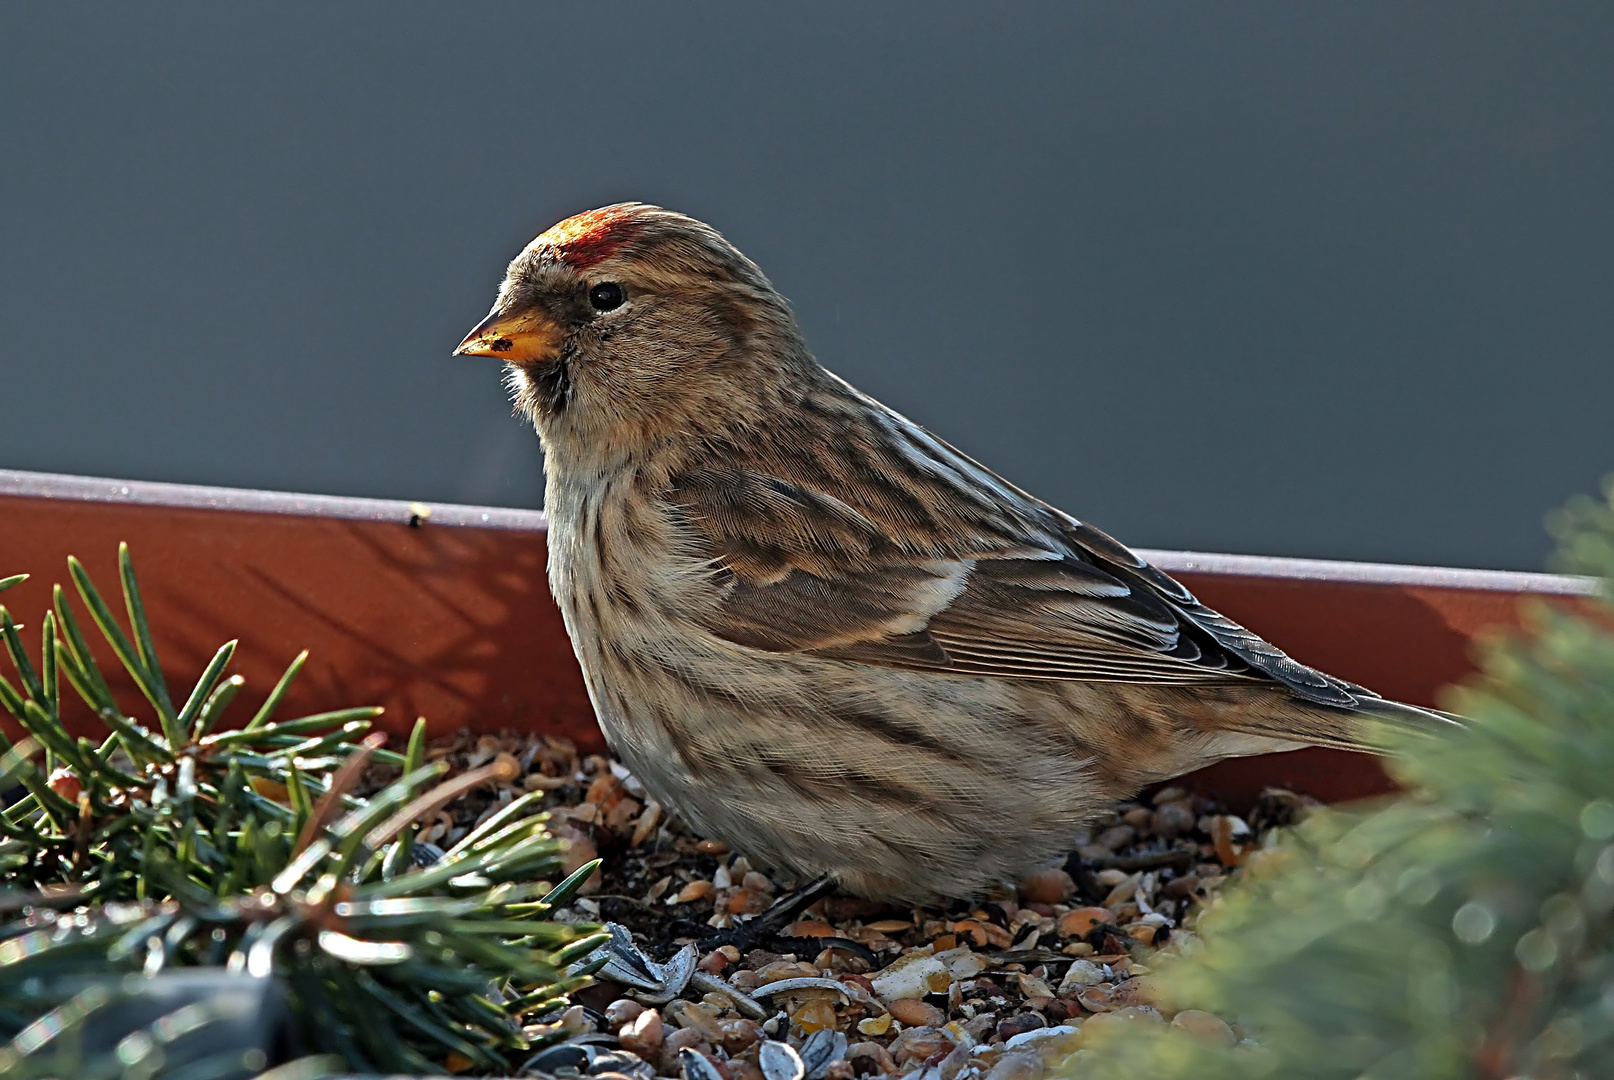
<point>1304,723</point>
<point>1412,717</point>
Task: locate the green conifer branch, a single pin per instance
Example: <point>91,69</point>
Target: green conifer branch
<point>1465,930</point>
<point>181,842</point>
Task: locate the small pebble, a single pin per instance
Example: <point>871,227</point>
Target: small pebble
<point>605,791</point>
<point>1142,990</point>
<point>621,1011</point>
<point>681,1039</point>
<point>644,1034</point>
<point>1232,838</point>
<point>1096,999</point>
<point>1183,886</point>
<point>810,928</point>
<point>740,1034</point>
<point>1058,1010</point>
<point>576,1021</point>
<point>920,1044</point>
<point>1172,820</point>
<point>814,1016</point>
<point>687,1014</point>
<point>785,969</point>
<point>1140,1013</point>
<point>1116,836</point>
<point>1124,890</point>
<point>909,977</point>
<point>972,930</point>
<point>870,1057</point>
<point>695,890</point>
<point>1204,1025</point>
<point>1033,987</point>
<point>838,959</point>
<point>1010,1026</point>
<point>1047,887</point>
<point>1081,973</point>
<point>65,782</point>
<point>1040,1038</point>
<point>1104,1024</point>
<point>741,902</point>
<point>859,987</point>
<point>646,825</point>
<point>1019,1065</point>
<point>911,1012</point>
<point>1138,817</point>
<point>1080,922</point>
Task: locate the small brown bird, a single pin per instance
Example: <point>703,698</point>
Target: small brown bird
<point>820,632</point>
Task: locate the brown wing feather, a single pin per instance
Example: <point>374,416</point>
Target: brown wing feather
<point>989,582</point>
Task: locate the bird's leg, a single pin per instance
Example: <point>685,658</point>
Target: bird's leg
<point>749,934</point>
<point>1087,885</point>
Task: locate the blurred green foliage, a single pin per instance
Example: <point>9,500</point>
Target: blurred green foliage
<point>1465,930</point>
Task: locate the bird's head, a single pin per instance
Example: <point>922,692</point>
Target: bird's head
<point>630,324</point>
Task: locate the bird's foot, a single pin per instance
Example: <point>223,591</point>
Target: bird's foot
<point>782,912</point>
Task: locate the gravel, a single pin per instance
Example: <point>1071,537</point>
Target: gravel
<point>1000,989</point>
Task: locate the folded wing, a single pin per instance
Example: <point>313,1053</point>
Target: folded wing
<point>916,557</point>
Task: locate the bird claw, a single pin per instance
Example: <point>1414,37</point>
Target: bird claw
<point>747,935</point>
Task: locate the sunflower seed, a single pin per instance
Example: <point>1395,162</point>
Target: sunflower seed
<point>820,1049</point>
<point>744,1004</point>
<point>779,1061</point>
<point>696,1067</point>
<point>786,986</point>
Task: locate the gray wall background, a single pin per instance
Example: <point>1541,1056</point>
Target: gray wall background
<point>1332,280</point>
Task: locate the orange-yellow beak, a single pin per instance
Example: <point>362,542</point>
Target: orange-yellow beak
<point>523,337</point>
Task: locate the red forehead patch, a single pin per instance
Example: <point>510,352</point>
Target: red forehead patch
<point>591,238</point>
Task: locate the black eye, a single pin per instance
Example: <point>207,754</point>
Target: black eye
<point>607,296</point>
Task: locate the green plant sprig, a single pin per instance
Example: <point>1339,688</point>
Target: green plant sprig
<point>179,842</point>
<point>1465,930</point>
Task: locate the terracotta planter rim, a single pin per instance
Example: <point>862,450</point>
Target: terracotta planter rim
<point>94,489</point>
<point>71,488</point>
<point>452,620</point>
